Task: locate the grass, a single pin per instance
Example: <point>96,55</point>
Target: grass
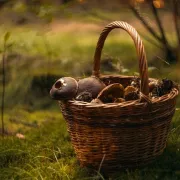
<point>47,153</point>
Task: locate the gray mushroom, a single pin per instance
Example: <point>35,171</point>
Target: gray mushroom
<point>92,85</point>
<point>64,89</point>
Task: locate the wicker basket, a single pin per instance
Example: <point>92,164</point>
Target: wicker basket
<point>120,135</point>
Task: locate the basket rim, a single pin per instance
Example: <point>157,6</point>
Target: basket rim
<point>155,100</point>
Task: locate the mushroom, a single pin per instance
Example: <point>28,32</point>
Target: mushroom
<point>64,89</point>
<point>96,101</point>
<point>119,100</point>
<point>111,92</point>
<point>92,85</point>
<point>131,93</point>
<point>131,96</point>
<point>129,89</point>
<point>84,96</point>
<point>152,85</point>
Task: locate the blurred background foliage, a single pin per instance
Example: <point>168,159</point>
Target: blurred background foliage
<point>47,37</point>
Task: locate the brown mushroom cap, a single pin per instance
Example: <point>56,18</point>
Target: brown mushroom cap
<point>152,85</point>
<point>119,100</point>
<point>84,96</point>
<point>92,85</point>
<point>96,101</point>
<point>64,89</point>
<point>131,93</point>
<point>131,96</point>
<point>129,89</point>
<point>111,92</point>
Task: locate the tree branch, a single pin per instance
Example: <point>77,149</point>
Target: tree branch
<point>163,37</point>
<point>145,23</point>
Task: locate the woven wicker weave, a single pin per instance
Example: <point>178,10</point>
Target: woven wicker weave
<point>120,135</point>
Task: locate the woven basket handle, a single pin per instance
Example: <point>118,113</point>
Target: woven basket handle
<point>143,68</point>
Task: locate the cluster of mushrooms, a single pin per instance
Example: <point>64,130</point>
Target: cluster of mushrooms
<point>93,90</point>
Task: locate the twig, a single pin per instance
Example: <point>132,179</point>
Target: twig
<point>169,53</point>
<point>146,24</point>
<point>175,15</point>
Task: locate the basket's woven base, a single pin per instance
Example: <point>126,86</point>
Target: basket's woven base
<point>111,138</point>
